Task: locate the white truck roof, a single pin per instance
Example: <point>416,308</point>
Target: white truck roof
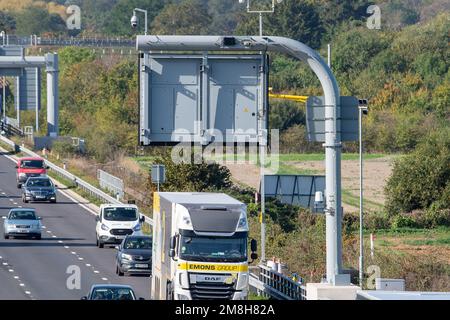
<point>113,205</point>
<point>199,198</point>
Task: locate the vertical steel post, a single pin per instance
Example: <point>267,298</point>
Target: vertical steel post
<point>361,226</point>
<point>37,99</point>
<point>52,94</point>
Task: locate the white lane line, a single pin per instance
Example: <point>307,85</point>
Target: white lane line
<point>44,227</point>
<point>11,270</point>
<point>88,264</point>
<point>15,203</point>
<point>73,252</point>
<point>78,202</point>
<point>48,231</point>
<point>53,236</point>
<point>59,241</point>
<point>19,206</point>
<point>66,247</point>
<point>105,279</point>
<point>1,257</point>
<point>28,292</point>
<point>80,258</point>
<point>16,277</point>
<point>5,263</point>
<point>96,271</point>
<point>21,284</point>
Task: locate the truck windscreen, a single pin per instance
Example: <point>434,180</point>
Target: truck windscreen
<point>120,214</point>
<point>214,249</point>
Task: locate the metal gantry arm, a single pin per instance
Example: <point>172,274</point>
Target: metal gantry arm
<point>332,114</point>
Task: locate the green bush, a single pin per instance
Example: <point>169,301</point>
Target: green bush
<point>420,178</point>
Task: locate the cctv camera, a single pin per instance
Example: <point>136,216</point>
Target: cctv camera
<point>134,21</point>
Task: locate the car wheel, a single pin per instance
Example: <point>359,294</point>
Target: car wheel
<point>6,236</point>
<point>53,201</point>
<point>100,244</point>
<point>39,237</point>
<point>19,186</point>
<point>120,273</point>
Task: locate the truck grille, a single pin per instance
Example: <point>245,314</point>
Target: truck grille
<point>121,232</point>
<point>212,290</point>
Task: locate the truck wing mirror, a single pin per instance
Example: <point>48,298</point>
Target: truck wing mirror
<point>253,245</point>
<point>142,219</point>
<point>97,218</point>
<point>173,244</point>
<point>254,256</point>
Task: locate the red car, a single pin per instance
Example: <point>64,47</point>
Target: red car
<point>29,167</point>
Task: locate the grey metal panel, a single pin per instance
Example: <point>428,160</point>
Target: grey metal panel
<point>29,93</point>
<point>294,189</point>
<point>315,115</point>
<point>10,72</point>
<point>10,51</point>
<point>219,220</point>
<point>200,98</point>
<point>234,72</point>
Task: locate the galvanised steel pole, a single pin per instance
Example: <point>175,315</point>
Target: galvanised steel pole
<point>361,226</point>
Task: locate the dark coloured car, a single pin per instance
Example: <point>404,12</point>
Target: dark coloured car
<point>111,292</point>
<point>39,189</point>
<point>134,256</point>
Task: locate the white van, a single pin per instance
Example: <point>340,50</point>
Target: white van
<point>115,222</point>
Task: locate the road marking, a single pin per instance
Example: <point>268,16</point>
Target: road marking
<point>15,203</point>
<point>105,279</point>
<point>73,252</point>
<point>11,270</point>
<point>80,258</point>
<point>53,236</point>
<point>66,247</point>
<point>96,271</point>
<point>16,277</point>
<point>44,227</point>
<point>48,231</point>
<point>59,241</point>
<point>5,263</point>
<point>21,284</point>
<point>88,264</point>
<point>28,292</point>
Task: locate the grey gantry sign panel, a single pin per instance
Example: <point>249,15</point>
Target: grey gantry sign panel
<point>10,51</point>
<point>201,98</point>
<point>294,189</point>
<point>29,85</point>
<point>315,118</point>
<point>158,173</point>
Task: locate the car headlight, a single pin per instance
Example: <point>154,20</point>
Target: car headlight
<point>126,256</point>
<point>137,227</point>
<point>104,227</point>
<point>22,175</point>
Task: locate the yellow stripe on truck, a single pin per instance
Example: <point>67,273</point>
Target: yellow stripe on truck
<point>189,266</point>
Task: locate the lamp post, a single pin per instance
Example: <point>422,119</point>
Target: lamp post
<point>260,12</point>
<point>363,110</point>
<point>134,19</point>
<point>3,34</point>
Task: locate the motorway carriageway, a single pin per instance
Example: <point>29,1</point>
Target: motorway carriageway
<point>37,269</point>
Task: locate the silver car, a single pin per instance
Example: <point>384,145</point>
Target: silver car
<point>22,222</point>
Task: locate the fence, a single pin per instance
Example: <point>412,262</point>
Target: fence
<point>109,182</point>
<point>58,42</point>
<point>273,284</point>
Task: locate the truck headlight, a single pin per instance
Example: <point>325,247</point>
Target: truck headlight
<point>242,224</point>
<point>242,283</point>
<point>104,227</point>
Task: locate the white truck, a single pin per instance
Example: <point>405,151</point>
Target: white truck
<point>115,222</point>
<point>200,245</point>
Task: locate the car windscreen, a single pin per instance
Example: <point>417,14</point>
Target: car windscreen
<point>32,164</point>
<point>112,294</point>
<point>138,243</point>
<point>120,214</point>
<point>22,215</point>
<point>43,183</point>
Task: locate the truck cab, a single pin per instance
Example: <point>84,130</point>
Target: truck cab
<point>115,222</point>
<point>200,245</point>
<point>29,167</point>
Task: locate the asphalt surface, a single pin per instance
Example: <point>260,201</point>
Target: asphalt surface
<point>46,269</point>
